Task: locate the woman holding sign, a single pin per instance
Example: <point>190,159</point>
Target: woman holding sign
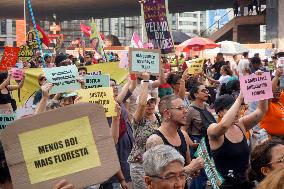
<point>6,101</point>
<point>228,141</point>
<point>144,124</point>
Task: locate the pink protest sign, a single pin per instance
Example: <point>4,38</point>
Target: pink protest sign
<point>256,87</point>
<point>9,58</point>
<point>123,59</point>
<point>17,74</point>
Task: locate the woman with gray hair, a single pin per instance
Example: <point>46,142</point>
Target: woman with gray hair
<point>164,168</point>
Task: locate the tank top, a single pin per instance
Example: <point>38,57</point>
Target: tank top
<point>5,98</point>
<point>232,156</point>
<point>182,149</point>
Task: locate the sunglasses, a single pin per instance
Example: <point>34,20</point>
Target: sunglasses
<point>42,79</point>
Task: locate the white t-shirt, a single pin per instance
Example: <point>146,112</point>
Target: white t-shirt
<point>243,64</point>
<point>224,79</point>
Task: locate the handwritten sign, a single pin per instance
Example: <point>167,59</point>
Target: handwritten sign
<point>96,81</point>
<point>210,169</point>
<point>144,60</point>
<point>9,58</point>
<point>6,118</point>
<point>103,96</point>
<point>64,79</point>
<point>124,59</point>
<point>71,143</point>
<point>156,24</point>
<point>194,67</point>
<point>256,87</point>
<point>25,53</point>
<point>95,73</point>
<point>17,74</point>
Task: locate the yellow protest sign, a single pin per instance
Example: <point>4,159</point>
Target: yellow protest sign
<point>31,80</point>
<point>54,150</point>
<point>71,143</point>
<point>102,95</point>
<point>195,66</point>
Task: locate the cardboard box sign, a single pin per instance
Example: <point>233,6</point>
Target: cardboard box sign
<point>144,60</point>
<point>71,143</point>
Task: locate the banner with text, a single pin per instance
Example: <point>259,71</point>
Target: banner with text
<point>64,78</point>
<point>210,169</point>
<point>256,87</point>
<point>144,60</point>
<point>156,24</point>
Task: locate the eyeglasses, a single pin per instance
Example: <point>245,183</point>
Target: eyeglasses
<point>173,177</point>
<point>179,108</point>
<point>281,160</point>
<point>204,90</point>
<point>87,57</point>
<point>42,79</point>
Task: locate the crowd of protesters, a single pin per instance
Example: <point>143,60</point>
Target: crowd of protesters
<point>161,120</point>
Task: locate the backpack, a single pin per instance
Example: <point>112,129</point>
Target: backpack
<point>207,119</point>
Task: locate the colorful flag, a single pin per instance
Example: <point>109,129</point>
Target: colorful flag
<point>96,41</point>
<point>45,38</point>
<point>86,29</point>
<point>136,41</point>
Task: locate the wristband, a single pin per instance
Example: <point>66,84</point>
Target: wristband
<point>147,81</point>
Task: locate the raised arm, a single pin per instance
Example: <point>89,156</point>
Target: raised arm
<point>45,95</point>
<point>211,79</point>
<point>275,80</point>
<point>139,113</point>
<point>159,81</point>
<point>182,89</point>
<point>114,129</point>
<point>6,82</point>
<point>255,117</point>
<point>129,86</point>
<point>216,130</point>
<point>16,87</point>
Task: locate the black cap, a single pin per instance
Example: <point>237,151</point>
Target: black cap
<point>224,102</point>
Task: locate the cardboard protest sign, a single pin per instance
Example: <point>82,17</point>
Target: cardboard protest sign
<point>17,74</point>
<point>210,169</point>
<point>256,87</point>
<point>156,24</point>
<point>144,60</point>
<point>194,67</point>
<point>64,78</point>
<point>96,81</point>
<point>102,95</point>
<point>71,143</point>
<point>25,53</point>
<point>124,59</point>
<point>9,58</point>
<point>6,118</point>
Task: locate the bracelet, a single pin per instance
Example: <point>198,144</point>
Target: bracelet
<point>122,180</point>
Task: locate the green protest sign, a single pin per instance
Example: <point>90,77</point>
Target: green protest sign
<point>6,118</point>
<point>210,169</point>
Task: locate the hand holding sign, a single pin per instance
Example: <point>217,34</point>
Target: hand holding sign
<point>63,184</point>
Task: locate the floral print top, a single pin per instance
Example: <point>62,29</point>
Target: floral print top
<point>142,131</point>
